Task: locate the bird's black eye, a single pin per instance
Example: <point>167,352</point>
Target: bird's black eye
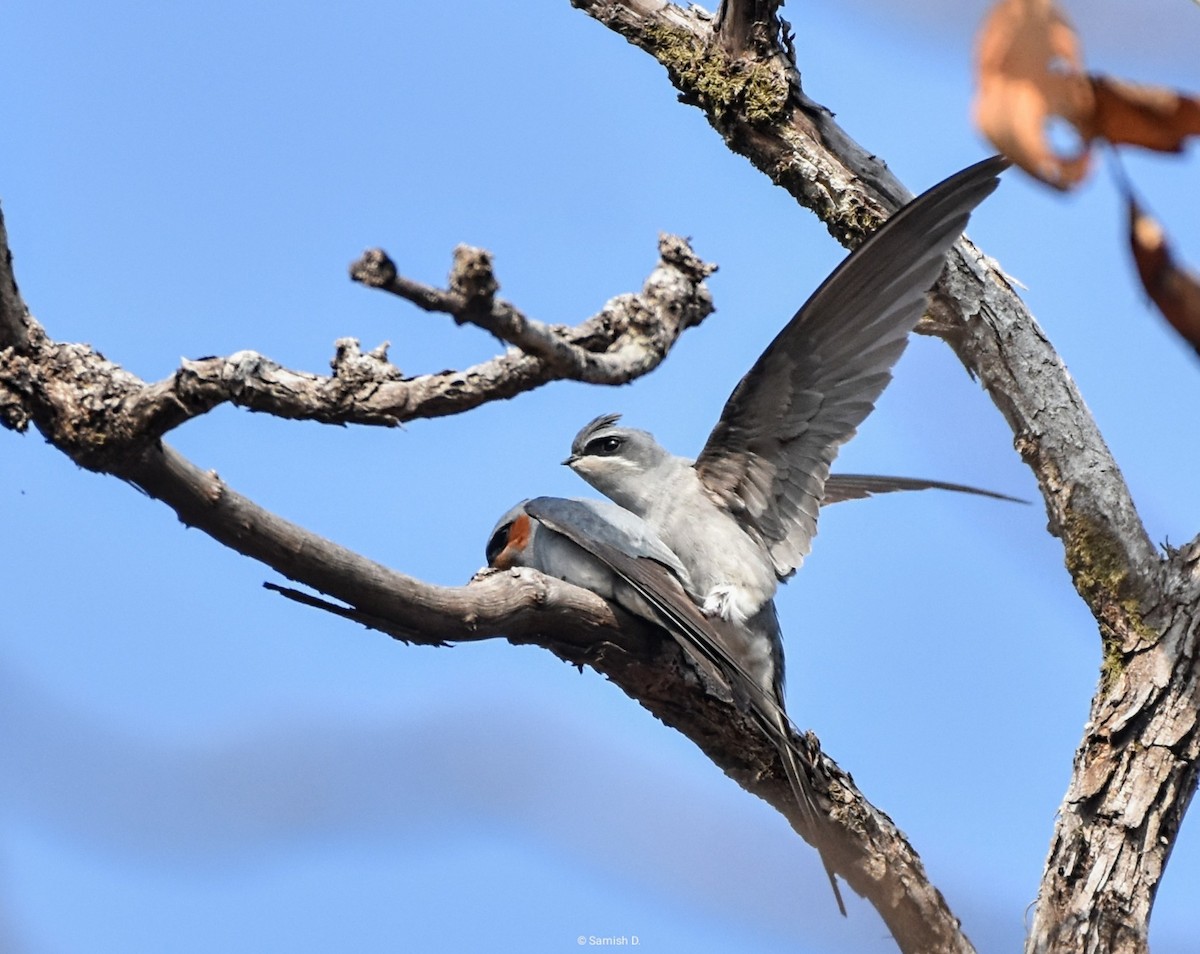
<point>498,542</point>
<point>604,446</point>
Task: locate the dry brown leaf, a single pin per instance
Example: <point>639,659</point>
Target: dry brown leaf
<point>1029,70</point>
<point>1174,290</point>
<point>1148,116</point>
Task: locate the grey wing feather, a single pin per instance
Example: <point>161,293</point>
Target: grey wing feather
<point>839,487</point>
<point>768,458</point>
<point>586,522</point>
<point>631,553</point>
<point>623,542</point>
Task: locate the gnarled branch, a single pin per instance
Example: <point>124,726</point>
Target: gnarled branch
<point>629,337</point>
<point>637,330</point>
<point>1136,768</point>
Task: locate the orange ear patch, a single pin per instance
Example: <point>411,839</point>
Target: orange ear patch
<point>519,533</point>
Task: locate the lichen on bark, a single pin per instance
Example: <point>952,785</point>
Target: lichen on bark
<point>723,85</point>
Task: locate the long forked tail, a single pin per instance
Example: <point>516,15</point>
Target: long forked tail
<point>708,642</point>
<point>701,637</point>
<point>780,733</point>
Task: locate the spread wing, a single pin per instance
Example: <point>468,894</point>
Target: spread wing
<point>624,542</point>
<point>768,458</point>
<point>839,487</point>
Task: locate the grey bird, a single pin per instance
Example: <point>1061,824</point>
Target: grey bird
<point>742,516</point>
<point>615,554</point>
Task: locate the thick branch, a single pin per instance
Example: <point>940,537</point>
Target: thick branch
<point>739,69</point>
<point>512,605</point>
<point>526,607</point>
<point>1134,776</point>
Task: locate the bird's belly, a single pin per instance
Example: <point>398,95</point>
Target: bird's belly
<point>731,574</point>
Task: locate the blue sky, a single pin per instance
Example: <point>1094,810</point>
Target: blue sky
<point>193,764</point>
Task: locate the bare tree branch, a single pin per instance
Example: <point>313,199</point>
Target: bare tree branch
<point>1134,776</point>
<point>649,323</point>
<point>628,338</point>
<point>1135,770</point>
<point>81,403</point>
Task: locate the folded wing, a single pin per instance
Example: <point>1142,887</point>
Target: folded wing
<point>625,543</point>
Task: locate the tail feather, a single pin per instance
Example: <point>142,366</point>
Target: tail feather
<point>779,731</point>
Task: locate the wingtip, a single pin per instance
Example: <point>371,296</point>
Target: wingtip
<point>993,165</point>
<point>983,175</point>
<point>999,160</point>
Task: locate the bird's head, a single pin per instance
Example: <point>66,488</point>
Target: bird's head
<point>615,460</point>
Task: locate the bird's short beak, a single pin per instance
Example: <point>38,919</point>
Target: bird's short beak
<point>570,460</point>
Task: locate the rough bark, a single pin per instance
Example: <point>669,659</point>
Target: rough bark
<point>629,337</point>
<point>1134,774</point>
<point>1135,768</point>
